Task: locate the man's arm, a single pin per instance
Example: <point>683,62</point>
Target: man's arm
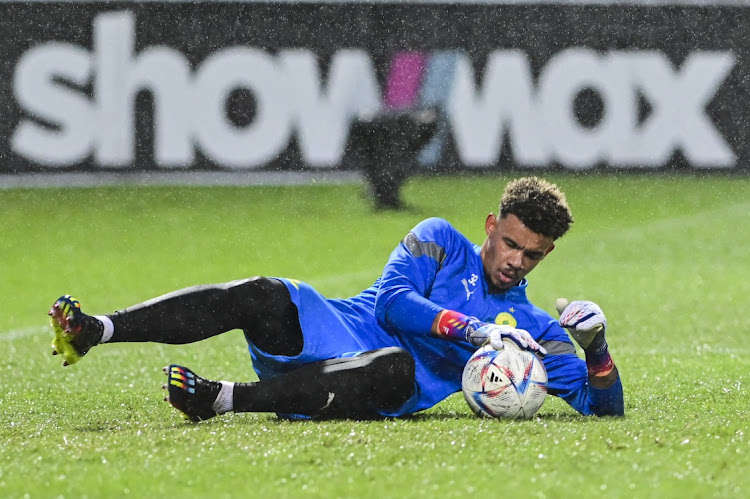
<point>409,309</point>
<point>408,277</point>
<point>587,325</point>
<point>402,304</point>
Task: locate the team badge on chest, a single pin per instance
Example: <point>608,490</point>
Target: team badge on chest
<point>506,319</point>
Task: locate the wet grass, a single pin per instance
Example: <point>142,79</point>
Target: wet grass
<point>666,257</point>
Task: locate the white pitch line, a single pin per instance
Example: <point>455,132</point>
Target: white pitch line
<point>26,332</point>
<point>200,178</point>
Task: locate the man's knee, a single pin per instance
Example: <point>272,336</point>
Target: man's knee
<point>396,362</point>
<point>266,314</point>
<point>257,287</point>
<point>394,369</point>
<point>259,297</point>
<point>369,384</point>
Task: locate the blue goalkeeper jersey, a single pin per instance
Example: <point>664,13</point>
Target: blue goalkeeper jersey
<point>435,267</point>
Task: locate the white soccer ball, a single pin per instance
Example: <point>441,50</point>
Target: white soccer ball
<point>507,383</point>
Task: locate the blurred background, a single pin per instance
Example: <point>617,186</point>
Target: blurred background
<point>237,92</point>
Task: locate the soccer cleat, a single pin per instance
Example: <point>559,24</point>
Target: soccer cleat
<point>75,332</point>
<point>190,394</point>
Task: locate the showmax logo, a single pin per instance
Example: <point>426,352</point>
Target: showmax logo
<point>540,118</point>
<point>65,126</point>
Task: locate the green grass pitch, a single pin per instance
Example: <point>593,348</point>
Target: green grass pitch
<point>665,256</point>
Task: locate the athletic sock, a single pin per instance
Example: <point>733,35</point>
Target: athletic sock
<point>225,399</point>
<point>109,327</point>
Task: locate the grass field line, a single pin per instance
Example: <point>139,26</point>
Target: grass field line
<point>165,178</point>
<point>25,332</point>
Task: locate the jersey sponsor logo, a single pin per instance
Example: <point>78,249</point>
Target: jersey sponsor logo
<point>506,319</point>
<point>471,281</point>
<point>65,125</point>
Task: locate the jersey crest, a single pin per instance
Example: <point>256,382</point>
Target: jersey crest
<point>506,319</point>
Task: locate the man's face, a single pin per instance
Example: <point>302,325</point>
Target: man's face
<point>511,250</point>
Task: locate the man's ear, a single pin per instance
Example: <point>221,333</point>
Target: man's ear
<point>489,224</point>
<point>549,250</point>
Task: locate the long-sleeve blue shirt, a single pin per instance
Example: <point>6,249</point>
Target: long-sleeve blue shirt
<point>435,267</point>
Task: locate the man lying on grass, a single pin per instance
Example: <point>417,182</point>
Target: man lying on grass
<point>396,348</point>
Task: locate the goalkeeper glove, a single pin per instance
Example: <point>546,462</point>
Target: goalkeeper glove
<point>584,320</point>
<point>457,326</point>
<point>479,333</point>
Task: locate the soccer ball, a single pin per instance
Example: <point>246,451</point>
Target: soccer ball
<point>507,383</point>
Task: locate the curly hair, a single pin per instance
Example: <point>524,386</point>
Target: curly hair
<point>539,205</point>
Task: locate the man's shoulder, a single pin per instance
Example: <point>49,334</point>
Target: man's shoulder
<point>435,225</point>
<point>444,238</point>
<point>435,222</point>
<point>442,232</point>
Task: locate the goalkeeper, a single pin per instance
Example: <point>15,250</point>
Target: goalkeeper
<point>394,349</point>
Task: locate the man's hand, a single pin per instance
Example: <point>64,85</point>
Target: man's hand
<point>583,320</point>
<point>454,325</point>
<point>478,333</point>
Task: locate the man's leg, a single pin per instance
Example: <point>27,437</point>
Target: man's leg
<point>259,306</point>
<point>359,387</point>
